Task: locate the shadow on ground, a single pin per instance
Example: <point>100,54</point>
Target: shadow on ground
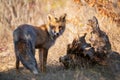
<point>57,72</point>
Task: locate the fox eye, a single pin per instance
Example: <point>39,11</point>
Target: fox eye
<point>60,27</point>
<point>52,27</point>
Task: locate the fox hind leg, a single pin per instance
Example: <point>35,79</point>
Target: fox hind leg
<point>17,58</point>
<point>17,63</point>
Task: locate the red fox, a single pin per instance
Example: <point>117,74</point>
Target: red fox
<point>27,38</point>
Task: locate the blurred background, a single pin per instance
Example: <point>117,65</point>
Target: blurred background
<point>34,12</point>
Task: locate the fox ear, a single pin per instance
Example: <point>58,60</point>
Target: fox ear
<point>63,17</point>
<point>50,18</point>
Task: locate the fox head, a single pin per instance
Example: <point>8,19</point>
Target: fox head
<point>56,26</point>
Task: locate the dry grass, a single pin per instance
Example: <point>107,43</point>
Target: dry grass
<point>16,12</point>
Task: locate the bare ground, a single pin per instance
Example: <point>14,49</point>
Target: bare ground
<point>55,70</point>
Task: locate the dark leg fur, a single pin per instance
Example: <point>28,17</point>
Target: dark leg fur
<point>43,59</point>
<point>17,63</point>
<point>17,58</point>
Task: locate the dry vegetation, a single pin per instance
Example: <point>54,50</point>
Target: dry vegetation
<point>16,12</point>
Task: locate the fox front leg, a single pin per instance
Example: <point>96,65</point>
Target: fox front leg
<point>43,53</point>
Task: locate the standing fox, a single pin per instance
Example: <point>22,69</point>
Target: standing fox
<point>27,38</point>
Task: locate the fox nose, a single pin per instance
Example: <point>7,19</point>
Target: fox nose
<point>57,34</point>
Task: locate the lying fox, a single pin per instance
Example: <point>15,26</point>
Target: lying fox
<point>27,38</point>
